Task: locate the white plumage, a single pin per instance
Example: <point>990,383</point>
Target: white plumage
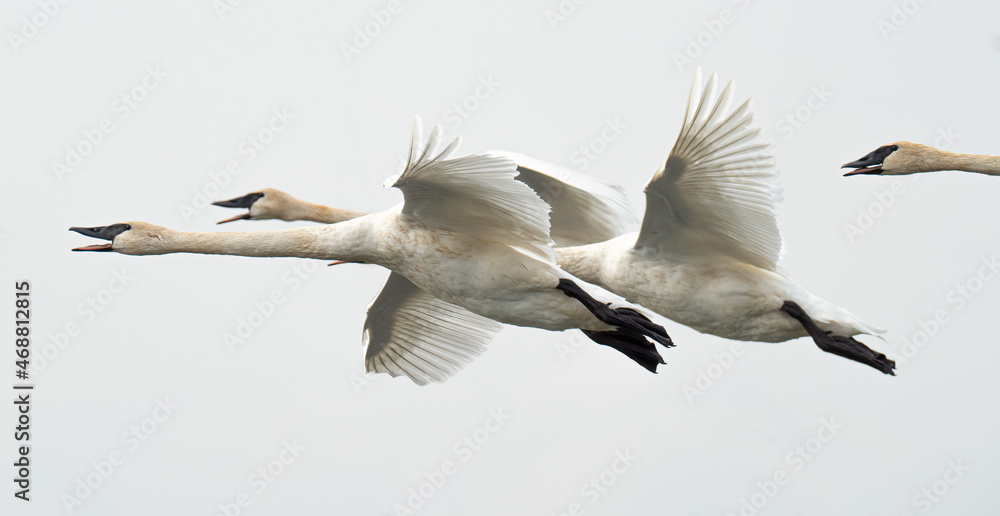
<point>469,247</point>
<point>706,255</point>
<point>707,252</point>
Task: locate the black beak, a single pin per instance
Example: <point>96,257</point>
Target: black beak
<point>240,202</point>
<point>869,164</point>
<point>863,162</point>
<point>872,162</point>
<point>102,232</point>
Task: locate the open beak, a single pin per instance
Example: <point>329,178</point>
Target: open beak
<point>869,164</point>
<point>102,232</point>
<point>876,170</point>
<point>240,202</point>
<point>872,162</point>
<point>238,217</point>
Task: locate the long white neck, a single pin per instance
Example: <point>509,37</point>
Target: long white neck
<point>352,241</point>
<point>979,163</point>
<point>301,210</point>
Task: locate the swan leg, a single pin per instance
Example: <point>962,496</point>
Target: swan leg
<point>845,347</point>
<point>631,345</point>
<point>633,328</point>
<point>624,318</point>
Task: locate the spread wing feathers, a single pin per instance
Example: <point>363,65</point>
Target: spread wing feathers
<point>474,194</point>
<point>584,210</point>
<point>719,182</point>
<point>411,333</point>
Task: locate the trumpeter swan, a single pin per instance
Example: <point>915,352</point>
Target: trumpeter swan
<point>706,253</point>
<point>584,211</point>
<point>468,248</point>
<point>910,158</point>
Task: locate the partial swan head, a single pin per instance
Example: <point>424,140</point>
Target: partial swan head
<point>127,238</point>
<point>896,159</point>
<point>264,204</point>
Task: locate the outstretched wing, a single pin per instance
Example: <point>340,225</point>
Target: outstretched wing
<point>718,188</point>
<point>474,194</point>
<point>411,333</point>
<point>584,210</point>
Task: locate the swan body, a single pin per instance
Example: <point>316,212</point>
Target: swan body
<point>902,158</point>
<point>469,248</point>
<point>522,288</point>
<point>706,254</point>
<point>714,294</point>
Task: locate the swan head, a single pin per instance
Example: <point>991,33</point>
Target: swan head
<point>261,205</point>
<point>895,159</point>
<point>137,238</point>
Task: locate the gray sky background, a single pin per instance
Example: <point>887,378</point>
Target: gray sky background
<point>830,82</point>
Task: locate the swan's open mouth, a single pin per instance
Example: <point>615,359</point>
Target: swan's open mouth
<point>238,217</point>
<point>240,202</point>
<point>102,232</point>
<point>877,169</point>
<point>872,162</point>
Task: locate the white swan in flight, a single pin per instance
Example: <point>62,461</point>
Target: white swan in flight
<point>469,248</point>
<point>902,158</point>
<point>706,254</point>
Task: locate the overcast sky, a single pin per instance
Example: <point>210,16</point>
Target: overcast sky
<point>209,385</point>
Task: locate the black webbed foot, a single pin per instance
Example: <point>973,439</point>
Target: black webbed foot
<point>839,345</point>
<point>632,328</point>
